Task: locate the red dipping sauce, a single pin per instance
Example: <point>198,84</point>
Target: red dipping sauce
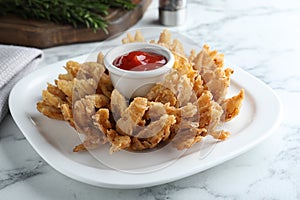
<point>140,61</point>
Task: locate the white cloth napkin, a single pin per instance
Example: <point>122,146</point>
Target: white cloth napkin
<point>15,63</point>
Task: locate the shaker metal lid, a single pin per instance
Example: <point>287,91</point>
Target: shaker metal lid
<point>172,12</point>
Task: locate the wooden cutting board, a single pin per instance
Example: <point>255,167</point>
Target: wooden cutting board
<point>43,34</point>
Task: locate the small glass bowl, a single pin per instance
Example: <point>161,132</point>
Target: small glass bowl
<point>136,83</point>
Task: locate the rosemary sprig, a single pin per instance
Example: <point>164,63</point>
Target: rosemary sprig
<point>90,13</point>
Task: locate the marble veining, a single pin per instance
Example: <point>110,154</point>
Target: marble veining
<point>261,37</point>
<point>9,177</point>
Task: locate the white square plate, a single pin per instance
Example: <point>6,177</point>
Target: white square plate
<point>54,140</point>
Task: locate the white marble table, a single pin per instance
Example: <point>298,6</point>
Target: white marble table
<point>262,37</point>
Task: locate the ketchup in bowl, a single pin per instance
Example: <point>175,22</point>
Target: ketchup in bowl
<point>140,61</point>
<point>134,68</point>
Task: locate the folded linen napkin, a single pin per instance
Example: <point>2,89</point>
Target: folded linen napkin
<point>15,63</point>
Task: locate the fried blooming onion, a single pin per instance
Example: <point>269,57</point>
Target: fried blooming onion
<point>189,104</point>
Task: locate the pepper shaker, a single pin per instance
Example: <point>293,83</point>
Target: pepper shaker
<point>172,12</point>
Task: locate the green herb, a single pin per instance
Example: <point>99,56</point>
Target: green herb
<point>90,13</point>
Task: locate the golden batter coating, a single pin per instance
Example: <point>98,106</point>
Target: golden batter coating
<point>187,105</point>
